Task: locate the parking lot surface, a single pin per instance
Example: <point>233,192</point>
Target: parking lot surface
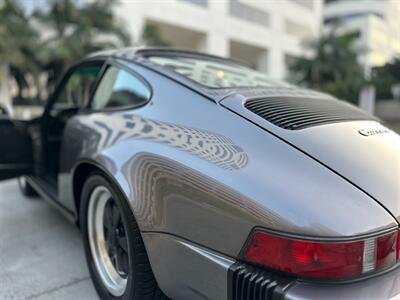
<point>41,254</point>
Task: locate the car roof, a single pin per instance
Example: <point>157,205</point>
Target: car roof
<point>130,53</point>
<point>138,55</point>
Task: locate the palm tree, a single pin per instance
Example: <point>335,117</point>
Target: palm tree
<point>17,42</point>
<point>385,77</point>
<point>333,68</point>
<point>152,36</point>
<point>75,30</point>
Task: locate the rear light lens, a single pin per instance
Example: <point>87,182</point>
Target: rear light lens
<point>398,246</point>
<point>323,260</point>
<point>386,251</point>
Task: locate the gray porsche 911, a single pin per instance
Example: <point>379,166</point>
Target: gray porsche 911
<point>194,177</point>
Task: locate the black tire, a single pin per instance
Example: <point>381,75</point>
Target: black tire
<point>141,284</point>
<point>26,189</point>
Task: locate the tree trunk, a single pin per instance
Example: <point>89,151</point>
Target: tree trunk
<point>5,98</point>
<point>36,83</point>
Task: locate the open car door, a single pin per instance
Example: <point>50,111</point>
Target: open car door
<point>16,152</point>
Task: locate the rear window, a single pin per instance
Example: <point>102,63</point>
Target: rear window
<point>216,74</point>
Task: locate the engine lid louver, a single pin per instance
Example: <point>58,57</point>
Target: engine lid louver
<point>299,113</point>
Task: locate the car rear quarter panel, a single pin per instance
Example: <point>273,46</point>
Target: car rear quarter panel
<point>193,169</point>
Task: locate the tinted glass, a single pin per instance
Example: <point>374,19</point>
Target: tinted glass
<point>119,88</point>
<point>76,92</point>
<point>216,74</point>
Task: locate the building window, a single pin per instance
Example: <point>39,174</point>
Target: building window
<point>248,13</point>
<point>290,61</point>
<point>165,34</point>
<point>347,17</point>
<point>298,30</point>
<point>305,3</point>
<point>330,1</point>
<point>203,3</point>
<point>255,57</point>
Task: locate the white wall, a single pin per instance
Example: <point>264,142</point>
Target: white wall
<point>379,40</point>
<point>219,27</point>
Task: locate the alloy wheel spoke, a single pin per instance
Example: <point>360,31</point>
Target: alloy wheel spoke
<point>108,239</point>
<point>116,216</point>
<point>121,262</point>
<point>123,243</point>
<point>116,240</point>
<point>108,216</point>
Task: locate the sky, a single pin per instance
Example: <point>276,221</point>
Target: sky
<point>31,5</point>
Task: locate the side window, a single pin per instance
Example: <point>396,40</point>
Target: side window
<point>76,91</point>
<point>119,88</point>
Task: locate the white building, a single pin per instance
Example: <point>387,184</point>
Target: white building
<point>264,33</point>
<point>376,23</point>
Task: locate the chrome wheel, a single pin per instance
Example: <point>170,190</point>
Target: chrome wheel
<point>108,241</point>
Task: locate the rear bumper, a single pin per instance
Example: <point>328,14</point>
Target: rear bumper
<point>262,285</point>
<point>184,271</point>
<point>386,286</point>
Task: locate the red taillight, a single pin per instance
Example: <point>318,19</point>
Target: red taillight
<point>322,260</point>
<point>398,245</point>
<point>386,251</point>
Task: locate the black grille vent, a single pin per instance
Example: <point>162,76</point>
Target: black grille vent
<point>250,283</point>
<point>299,113</point>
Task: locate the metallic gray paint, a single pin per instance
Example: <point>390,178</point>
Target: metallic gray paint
<point>211,147</point>
<point>383,287</point>
<point>371,162</point>
<point>220,178</point>
<point>187,271</point>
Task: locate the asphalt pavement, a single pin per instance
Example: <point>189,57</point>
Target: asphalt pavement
<point>41,254</point>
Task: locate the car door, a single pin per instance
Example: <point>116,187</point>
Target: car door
<point>71,96</point>
<point>118,89</point>
<point>16,153</point>
<point>32,147</point>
